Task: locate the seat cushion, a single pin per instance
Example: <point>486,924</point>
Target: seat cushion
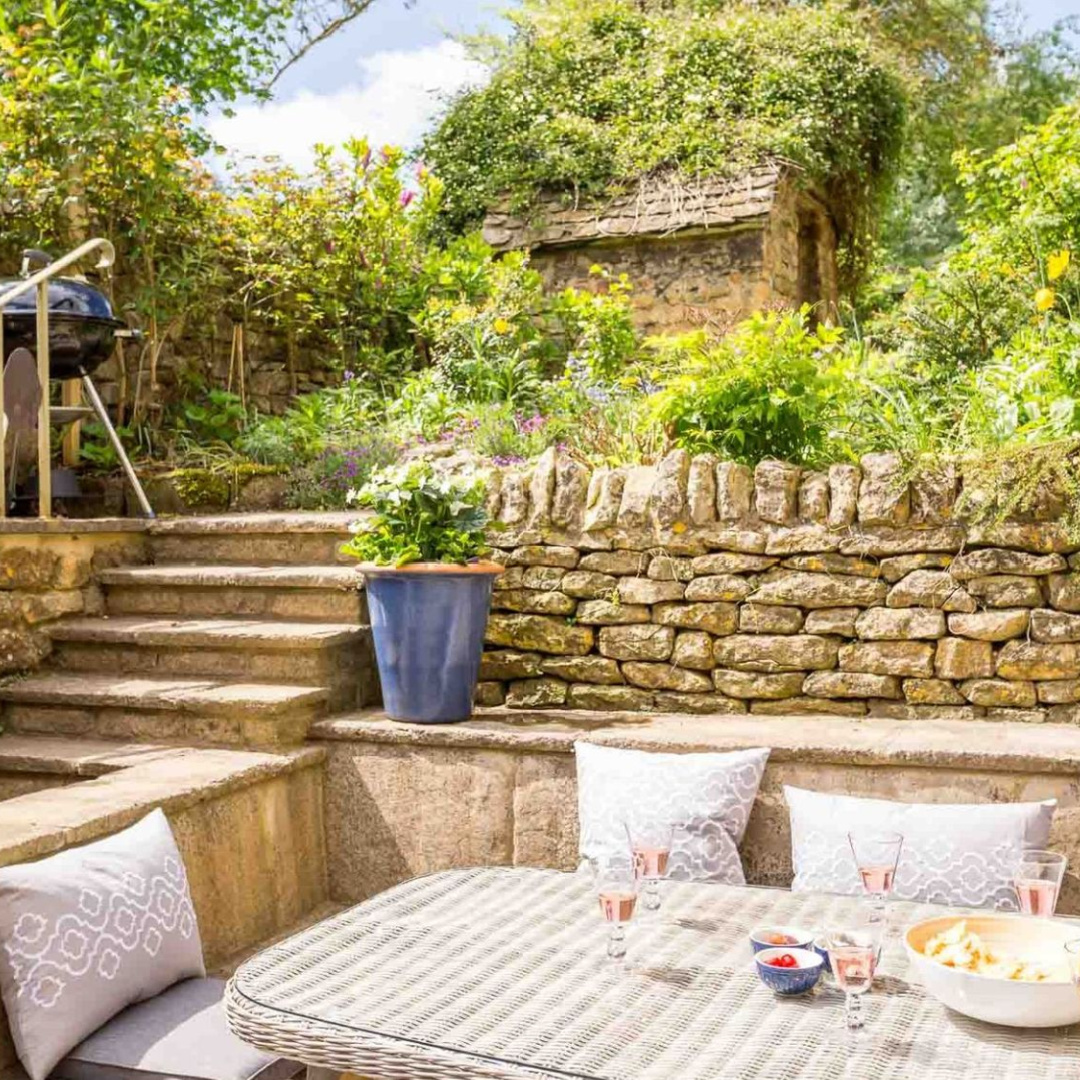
<point>179,1035</point>
<point>89,931</point>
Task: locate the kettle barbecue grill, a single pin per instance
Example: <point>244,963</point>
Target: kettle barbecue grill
<point>81,332</point>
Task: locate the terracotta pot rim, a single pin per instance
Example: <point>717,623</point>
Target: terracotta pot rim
<point>480,567</point>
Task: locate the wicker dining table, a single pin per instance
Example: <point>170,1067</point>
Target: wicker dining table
<point>503,973</point>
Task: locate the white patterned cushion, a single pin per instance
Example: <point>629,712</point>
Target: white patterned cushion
<point>708,795</point>
<point>89,931</point>
<point>963,854</point>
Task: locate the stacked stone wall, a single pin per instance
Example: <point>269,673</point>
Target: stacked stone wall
<point>708,587</point>
<point>46,576</point>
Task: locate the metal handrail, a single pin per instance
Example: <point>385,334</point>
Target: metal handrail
<point>40,281</point>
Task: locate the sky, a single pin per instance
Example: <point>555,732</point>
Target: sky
<point>386,75</point>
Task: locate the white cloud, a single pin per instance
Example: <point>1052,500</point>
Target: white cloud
<point>394,101</point>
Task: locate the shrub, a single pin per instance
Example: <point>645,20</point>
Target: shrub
<point>773,388</point>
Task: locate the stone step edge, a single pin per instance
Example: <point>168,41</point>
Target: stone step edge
<point>207,697</point>
<point>280,635</point>
<point>225,576</point>
<point>332,522</point>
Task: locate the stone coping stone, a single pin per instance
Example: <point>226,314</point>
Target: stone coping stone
<point>953,744</point>
<point>227,576</point>
<point>61,526</point>
<point>330,521</point>
<point>123,783</point>
<point>209,696</point>
<point>204,633</point>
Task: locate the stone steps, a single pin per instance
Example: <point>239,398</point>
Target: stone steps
<point>295,593</point>
<point>206,710</point>
<point>329,655</point>
<point>253,539</point>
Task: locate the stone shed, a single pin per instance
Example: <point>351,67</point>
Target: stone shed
<point>706,252</point>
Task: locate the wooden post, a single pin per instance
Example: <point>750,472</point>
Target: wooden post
<point>71,394</point>
<point>44,432</point>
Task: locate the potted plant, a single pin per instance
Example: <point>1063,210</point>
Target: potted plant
<point>428,591</point>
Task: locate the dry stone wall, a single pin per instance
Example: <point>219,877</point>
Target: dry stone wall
<point>708,587</point>
<point>47,576</point>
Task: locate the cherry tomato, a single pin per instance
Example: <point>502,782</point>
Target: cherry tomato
<point>784,960</point>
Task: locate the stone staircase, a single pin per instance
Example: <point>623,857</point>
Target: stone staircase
<point>242,630</point>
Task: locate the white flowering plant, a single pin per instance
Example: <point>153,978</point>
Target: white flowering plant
<point>419,514</point>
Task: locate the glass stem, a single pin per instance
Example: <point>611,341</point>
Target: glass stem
<point>616,946</point>
<point>651,895</point>
<point>853,1011</point>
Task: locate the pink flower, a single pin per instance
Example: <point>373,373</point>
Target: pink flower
<point>406,198</point>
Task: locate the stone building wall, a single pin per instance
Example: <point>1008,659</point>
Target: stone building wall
<point>707,587</point>
<point>45,576</point>
<point>704,254</point>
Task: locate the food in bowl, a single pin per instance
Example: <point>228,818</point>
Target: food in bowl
<point>959,947</point>
<point>773,937</point>
<point>788,971</point>
<point>1050,1002</point>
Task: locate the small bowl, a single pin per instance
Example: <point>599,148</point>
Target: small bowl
<point>789,981</point>
<point>798,938</point>
<point>822,949</point>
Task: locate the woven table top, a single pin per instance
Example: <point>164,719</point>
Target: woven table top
<point>503,973</point>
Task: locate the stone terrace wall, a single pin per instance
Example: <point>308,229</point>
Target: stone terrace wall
<point>705,586</point>
<point>48,574</point>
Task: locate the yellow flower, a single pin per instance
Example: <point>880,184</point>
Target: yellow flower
<point>628,381</point>
<point>1057,264</point>
<point>501,326</point>
<point>1044,299</point>
<point>1008,270</point>
<point>679,527</point>
<point>596,268</point>
<point>460,314</point>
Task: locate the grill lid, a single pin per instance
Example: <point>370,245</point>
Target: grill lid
<point>67,296</point>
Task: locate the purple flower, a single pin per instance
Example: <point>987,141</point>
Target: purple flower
<point>348,376</point>
<point>533,424</point>
<point>507,459</point>
<point>405,198</point>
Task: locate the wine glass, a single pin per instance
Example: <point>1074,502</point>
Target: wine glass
<point>650,846</point>
<point>1038,881</point>
<point>854,949</point>
<point>876,855</point>
<point>617,888</point>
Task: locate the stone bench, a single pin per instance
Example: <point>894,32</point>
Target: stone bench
<point>405,799</point>
<point>249,826</point>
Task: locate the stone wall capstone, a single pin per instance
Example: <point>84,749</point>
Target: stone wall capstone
<point>709,587</point>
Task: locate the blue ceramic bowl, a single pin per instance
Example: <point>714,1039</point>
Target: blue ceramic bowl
<point>797,937</point>
<point>823,952</point>
<point>789,981</point>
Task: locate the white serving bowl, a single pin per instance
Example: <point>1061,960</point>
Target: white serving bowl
<point>1054,1003</point>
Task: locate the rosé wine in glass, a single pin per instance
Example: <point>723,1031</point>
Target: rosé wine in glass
<point>877,880</point>
<point>853,951</point>
<point>876,855</point>
<point>1038,881</point>
<point>616,883</point>
<point>650,844</point>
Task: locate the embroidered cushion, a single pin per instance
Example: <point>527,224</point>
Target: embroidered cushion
<point>89,931</point>
<point>963,854</point>
<point>709,796</point>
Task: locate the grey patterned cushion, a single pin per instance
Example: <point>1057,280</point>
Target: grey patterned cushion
<point>179,1035</point>
<point>962,854</point>
<point>89,931</point>
<point>708,795</point>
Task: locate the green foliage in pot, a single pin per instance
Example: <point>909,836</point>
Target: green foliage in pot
<point>419,515</point>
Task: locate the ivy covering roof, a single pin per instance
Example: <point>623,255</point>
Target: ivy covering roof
<point>591,95</point>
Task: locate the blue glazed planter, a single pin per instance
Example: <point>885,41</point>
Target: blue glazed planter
<point>428,622</point>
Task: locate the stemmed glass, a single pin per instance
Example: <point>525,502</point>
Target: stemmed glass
<point>876,855</point>
<point>854,949</point>
<point>1038,881</point>
<point>617,889</point>
<point>650,845</point>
